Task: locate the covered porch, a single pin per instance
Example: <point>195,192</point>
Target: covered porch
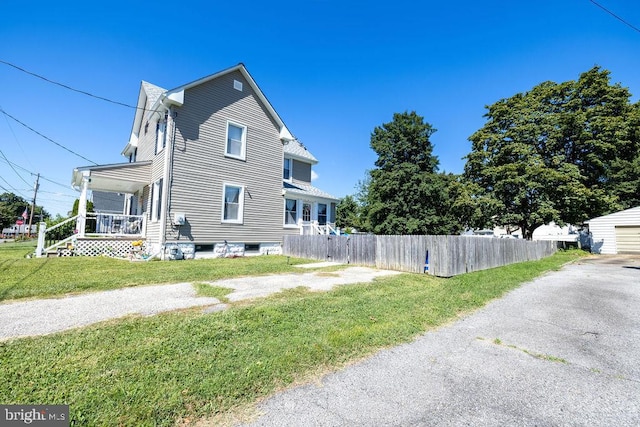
<point>309,209</point>
<point>100,233</point>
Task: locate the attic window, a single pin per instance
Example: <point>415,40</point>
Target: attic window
<point>237,85</point>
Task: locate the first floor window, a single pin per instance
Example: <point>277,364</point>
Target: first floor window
<point>156,200</point>
<point>322,213</point>
<point>290,211</point>
<point>232,203</point>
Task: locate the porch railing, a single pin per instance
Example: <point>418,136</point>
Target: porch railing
<point>65,233</point>
<point>314,228</point>
<point>99,224</point>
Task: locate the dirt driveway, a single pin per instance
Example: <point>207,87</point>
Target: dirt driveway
<point>561,350</point>
<point>46,316</point>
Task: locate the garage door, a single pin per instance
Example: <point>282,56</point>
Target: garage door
<point>628,239</point>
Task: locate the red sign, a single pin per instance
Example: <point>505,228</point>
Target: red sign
<point>19,222</point>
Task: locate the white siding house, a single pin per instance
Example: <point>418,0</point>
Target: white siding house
<point>617,233</point>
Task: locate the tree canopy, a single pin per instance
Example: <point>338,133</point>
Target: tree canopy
<point>404,193</point>
<point>11,207</point>
<point>562,152</point>
<point>348,214</point>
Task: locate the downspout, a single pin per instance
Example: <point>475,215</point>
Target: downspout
<point>168,158</point>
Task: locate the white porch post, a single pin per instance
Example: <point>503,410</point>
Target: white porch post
<point>42,230</point>
<point>82,205</point>
<point>300,226</point>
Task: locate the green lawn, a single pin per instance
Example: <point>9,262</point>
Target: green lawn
<point>44,277</point>
<point>187,365</point>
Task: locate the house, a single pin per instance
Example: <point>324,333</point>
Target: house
<point>211,165</point>
<point>17,230</point>
<point>616,233</point>
<point>566,236</point>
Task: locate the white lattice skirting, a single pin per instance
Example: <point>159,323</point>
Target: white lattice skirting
<point>101,247</point>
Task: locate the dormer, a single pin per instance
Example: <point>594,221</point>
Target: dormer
<point>297,162</point>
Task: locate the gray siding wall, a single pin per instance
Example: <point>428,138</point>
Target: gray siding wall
<point>135,173</point>
<point>146,151</point>
<point>301,171</point>
<point>200,167</point>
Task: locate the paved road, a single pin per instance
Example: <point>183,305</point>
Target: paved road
<point>563,350</point>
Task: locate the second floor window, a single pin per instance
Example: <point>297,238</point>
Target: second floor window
<point>160,136</point>
<point>236,141</point>
<point>286,172</point>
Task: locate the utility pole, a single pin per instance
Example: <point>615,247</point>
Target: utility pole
<point>33,205</point>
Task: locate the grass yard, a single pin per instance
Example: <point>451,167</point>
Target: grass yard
<point>45,277</point>
<point>188,365</point>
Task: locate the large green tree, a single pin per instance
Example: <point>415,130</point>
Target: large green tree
<point>348,214</point>
<point>563,152</point>
<point>405,194</point>
<point>11,207</point>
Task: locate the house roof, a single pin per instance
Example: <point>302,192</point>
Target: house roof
<point>178,93</point>
<point>627,213</point>
<point>148,97</point>
<point>116,178</point>
<point>296,150</point>
<point>153,92</point>
<point>306,190</point>
<point>152,97</point>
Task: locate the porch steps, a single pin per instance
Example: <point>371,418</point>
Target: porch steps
<point>59,253</point>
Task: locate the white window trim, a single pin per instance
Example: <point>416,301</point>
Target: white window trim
<point>161,128</point>
<point>243,150</point>
<point>240,219</point>
<point>156,201</point>
<point>317,211</point>
<point>284,221</point>
<point>290,169</point>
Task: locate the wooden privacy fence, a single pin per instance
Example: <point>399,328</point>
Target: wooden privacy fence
<point>443,256</point>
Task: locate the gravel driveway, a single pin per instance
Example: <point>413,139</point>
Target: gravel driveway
<point>45,316</point>
<point>562,350</point>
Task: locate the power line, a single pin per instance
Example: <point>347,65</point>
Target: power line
<point>10,163</point>
<point>46,137</point>
<point>15,191</point>
<point>53,182</point>
<point>16,138</point>
<point>616,16</point>
<point>69,87</point>
<point>19,176</point>
<point>57,194</point>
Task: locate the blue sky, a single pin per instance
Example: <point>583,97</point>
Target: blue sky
<point>332,69</point>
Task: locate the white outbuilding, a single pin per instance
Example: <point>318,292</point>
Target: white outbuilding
<point>616,233</point>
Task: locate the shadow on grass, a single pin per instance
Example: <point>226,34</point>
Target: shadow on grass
<point>5,292</point>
